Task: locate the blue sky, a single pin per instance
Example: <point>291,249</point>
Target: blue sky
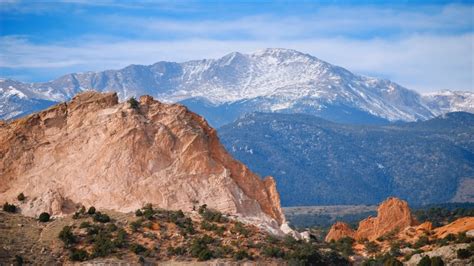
<point>423,45</point>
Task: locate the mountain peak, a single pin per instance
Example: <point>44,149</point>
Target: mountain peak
<point>271,80</point>
<point>278,52</point>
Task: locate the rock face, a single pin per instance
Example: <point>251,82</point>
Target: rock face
<point>339,230</point>
<point>96,151</point>
<point>464,224</point>
<point>447,254</point>
<point>392,215</point>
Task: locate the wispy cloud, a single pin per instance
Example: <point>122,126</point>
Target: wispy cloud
<point>426,48</point>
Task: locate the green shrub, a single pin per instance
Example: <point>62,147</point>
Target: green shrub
<point>101,217</point>
<point>9,207</point>
<point>85,224</point>
<point>344,245</point>
<point>241,254</point>
<point>137,248</point>
<point>91,210</point>
<point>138,213</point>
<point>177,251</point>
<point>111,227</point>
<point>463,253</point>
<point>437,261</point>
<point>273,252</point>
<point>92,230</point>
<point>205,225</point>
<point>223,251</point>
<point>135,225</point>
<point>103,245</point>
<point>67,236</point>
<point>395,249</point>
<point>205,254</point>
<point>21,197</point>
<point>304,253</point>
<point>422,241</point>
<point>272,240</point>
<point>240,228</point>
<point>392,261</point>
<point>199,246</point>
<point>372,247</point>
<point>120,240</point>
<point>186,226</point>
<point>148,213</point>
<point>78,255</point>
<point>44,217</point>
<point>425,261</point>
<point>133,103</point>
<point>18,260</point>
<point>462,238</point>
<point>76,216</point>
<point>450,237</point>
<point>212,215</point>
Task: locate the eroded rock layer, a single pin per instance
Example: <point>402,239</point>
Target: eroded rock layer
<point>96,151</point>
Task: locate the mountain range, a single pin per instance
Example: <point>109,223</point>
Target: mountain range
<point>318,162</point>
<point>223,89</point>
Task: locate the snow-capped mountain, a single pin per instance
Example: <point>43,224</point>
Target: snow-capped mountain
<point>449,101</point>
<point>271,80</point>
<point>17,100</point>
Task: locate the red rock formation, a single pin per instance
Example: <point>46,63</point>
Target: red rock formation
<point>464,224</point>
<point>339,230</point>
<point>393,215</point>
<point>96,151</point>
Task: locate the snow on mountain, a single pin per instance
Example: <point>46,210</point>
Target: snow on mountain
<point>449,101</point>
<point>17,99</point>
<point>270,80</point>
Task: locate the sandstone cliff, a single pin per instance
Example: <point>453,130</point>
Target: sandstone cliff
<point>98,152</point>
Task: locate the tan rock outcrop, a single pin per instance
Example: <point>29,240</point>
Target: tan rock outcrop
<point>339,230</point>
<point>393,215</point>
<point>98,152</point>
<point>460,225</point>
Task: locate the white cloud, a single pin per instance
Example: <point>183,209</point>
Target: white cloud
<point>360,21</point>
<point>429,48</point>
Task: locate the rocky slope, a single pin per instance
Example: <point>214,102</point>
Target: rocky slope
<point>270,80</point>
<point>316,162</point>
<point>154,237</point>
<point>96,151</point>
<point>449,101</point>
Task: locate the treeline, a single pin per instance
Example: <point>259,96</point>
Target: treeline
<point>443,213</point>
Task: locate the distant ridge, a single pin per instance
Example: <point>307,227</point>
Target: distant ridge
<point>269,80</point>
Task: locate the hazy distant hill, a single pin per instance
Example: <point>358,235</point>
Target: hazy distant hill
<point>317,162</point>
